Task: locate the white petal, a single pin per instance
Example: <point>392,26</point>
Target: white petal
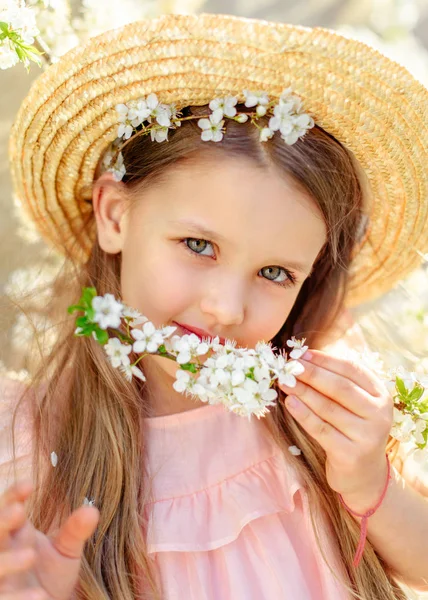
<point>138,373</point>
<point>183,357</point>
<point>152,101</point>
<point>204,123</point>
<point>54,459</point>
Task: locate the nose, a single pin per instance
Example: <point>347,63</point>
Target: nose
<point>224,299</point>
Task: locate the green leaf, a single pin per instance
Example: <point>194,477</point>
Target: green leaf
<point>88,295</point>
<point>71,309</point>
<point>20,53</point>
<point>102,336</point>
<point>416,393</point>
<point>90,313</point>
<point>399,383</point>
<point>4,27</point>
<point>81,322</point>
<point>189,367</point>
<point>162,349</point>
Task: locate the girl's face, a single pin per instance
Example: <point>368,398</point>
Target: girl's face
<point>222,247</point>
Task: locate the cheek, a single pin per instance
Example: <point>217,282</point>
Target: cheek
<point>158,285</point>
<point>268,315</point>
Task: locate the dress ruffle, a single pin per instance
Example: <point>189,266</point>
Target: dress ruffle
<point>215,516</point>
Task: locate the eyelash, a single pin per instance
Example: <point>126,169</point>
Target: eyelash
<point>291,278</point>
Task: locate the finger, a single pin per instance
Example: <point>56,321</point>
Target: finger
<point>80,525</point>
<point>12,518</point>
<point>16,561</point>
<point>29,594</point>
<point>332,440</point>
<point>18,492</point>
<point>358,373</point>
<point>348,423</point>
<point>339,388</point>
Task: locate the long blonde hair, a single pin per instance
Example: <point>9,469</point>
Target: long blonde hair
<point>92,416</point>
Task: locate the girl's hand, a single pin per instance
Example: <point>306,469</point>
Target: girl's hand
<point>349,411</point>
<point>32,565</point>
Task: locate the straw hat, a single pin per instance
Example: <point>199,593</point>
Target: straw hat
<point>369,103</point>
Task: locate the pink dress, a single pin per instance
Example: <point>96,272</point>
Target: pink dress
<point>230,518</point>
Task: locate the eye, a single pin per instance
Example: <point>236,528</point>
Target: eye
<point>278,275</point>
<point>198,246</point>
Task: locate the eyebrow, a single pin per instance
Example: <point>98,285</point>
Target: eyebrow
<point>213,235</point>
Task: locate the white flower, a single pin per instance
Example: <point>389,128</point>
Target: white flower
<point>189,347</point>
<point>87,502</point>
<point>265,134</point>
<point>289,371</point>
<point>298,347</point>
<point>125,128</point>
<point>168,331</point>
<point>242,118</point>
<point>130,370</point>
<point>54,459</point>
<point>21,20</point>
<point>223,106</point>
<point>148,338</point>
<point>420,427</point>
<point>282,116</point>
<point>251,390</point>
<point>118,169</point>
<point>292,130</point>
<point>134,316</point>
<point>161,112</point>
<point>159,135</point>
<point>288,98</point>
<point>294,450</point>
<point>118,352</point>
<point>139,111</point>
<point>183,381</point>
<point>257,98</point>
<point>211,128</point>
<point>261,111</point>
<point>108,311</point>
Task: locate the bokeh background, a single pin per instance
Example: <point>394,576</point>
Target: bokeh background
<point>395,325</point>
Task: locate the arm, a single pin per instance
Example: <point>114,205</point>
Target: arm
<point>398,529</point>
<point>406,502</point>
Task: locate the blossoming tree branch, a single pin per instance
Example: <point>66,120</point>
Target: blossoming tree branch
<point>242,379</point>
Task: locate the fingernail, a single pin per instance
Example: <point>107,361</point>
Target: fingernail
<point>307,355</point>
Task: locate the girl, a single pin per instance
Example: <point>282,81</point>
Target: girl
<point>257,216</point>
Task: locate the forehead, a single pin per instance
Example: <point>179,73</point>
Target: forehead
<point>246,205</point>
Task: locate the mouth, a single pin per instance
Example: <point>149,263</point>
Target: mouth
<point>201,333</point>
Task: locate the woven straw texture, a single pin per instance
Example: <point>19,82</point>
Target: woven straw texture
<point>369,103</point>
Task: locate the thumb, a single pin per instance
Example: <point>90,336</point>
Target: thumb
<point>71,537</point>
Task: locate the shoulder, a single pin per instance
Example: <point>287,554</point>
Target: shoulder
<point>11,463</point>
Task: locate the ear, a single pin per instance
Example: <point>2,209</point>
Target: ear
<point>109,203</point>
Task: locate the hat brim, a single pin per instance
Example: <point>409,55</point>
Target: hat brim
<point>372,105</point>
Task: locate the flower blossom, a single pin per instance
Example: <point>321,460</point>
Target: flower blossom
<point>211,128</point>
<point>118,352</point>
<point>148,338</point>
<point>108,311</point>
<point>298,347</point>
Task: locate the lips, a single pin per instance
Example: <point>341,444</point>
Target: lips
<point>201,333</point>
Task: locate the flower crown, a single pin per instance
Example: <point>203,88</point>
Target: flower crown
<point>156,118</point>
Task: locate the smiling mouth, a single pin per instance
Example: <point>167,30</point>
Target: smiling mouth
<point>200,333</point>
